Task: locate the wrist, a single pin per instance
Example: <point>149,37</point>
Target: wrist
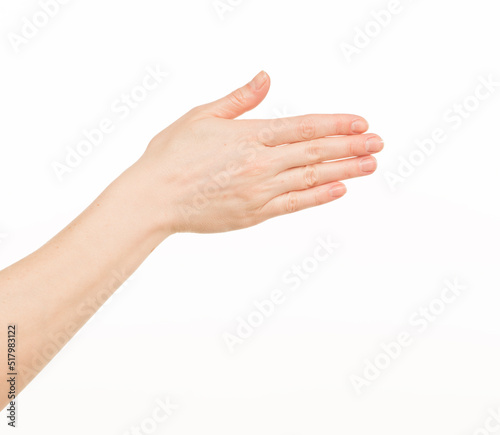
<point>142,195</point>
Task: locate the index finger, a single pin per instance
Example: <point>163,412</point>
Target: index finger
<point>281,131</point>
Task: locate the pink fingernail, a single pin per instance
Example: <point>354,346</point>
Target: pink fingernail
<point>359,126</point>
<point>337,191</point>
<point>368,164</point>
<point>259,81</point>
<point>374,144</point>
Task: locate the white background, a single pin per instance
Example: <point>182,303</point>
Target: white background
<point>161,335</point>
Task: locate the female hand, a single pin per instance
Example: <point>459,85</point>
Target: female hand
<point>212,173</point>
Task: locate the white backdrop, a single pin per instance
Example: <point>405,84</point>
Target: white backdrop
<point>394,329</point>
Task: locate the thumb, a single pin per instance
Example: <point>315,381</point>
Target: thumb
<point>241,100</point>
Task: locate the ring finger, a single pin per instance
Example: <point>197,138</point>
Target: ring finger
<point>318,174</point>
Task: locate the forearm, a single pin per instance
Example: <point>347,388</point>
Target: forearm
<point>53,292</point>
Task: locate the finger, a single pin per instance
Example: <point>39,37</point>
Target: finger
<point>241,100</point>
<point>303,128</point>
<point>291,202</point>
<point>328,148</point>
<point>309,176</point>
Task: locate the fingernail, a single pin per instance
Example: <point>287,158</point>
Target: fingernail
<point>368,164</point>
<point>374,144</point>
<point>259,81</point>
<point>359,126</point>
<point>337,191</point>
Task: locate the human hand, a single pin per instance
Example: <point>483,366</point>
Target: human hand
<point>212,173</point>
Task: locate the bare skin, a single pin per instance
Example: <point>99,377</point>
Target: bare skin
<point>205,173</point>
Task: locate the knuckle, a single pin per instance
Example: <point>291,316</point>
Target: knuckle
<point>313,151</point>
<point>351,147</point>
<point>196,110</point>
<point>256,195</point>
<point>263,192</point>
<point>244,196</point>
<point>310,176</point>
<point>291,202</point>
<point>306,129</point>
<point>256,168</point>
<point>237,97</point>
